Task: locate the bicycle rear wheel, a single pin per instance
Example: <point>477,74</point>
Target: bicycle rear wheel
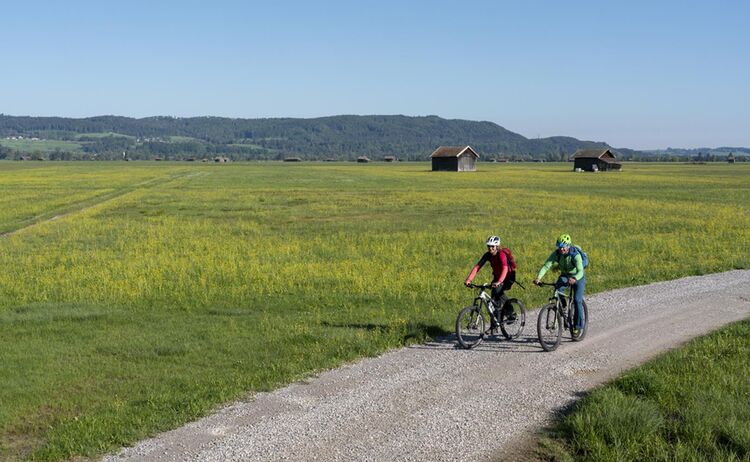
<point>470,326</point>
<point>513,320</point>
<point>549,327</point>
<point>582,332</point>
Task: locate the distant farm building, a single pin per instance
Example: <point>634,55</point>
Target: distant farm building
<point>221,159</point>
<point>389,158</point>
<point>595,160</point>
<point>292,159</point>
<point>730,158</point>
<point>363,159</point>
<point>454,159</point>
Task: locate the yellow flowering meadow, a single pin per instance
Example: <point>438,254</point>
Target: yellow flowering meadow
<point>137,296</point>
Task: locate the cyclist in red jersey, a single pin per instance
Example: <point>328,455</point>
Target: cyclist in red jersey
<point>501,274</point>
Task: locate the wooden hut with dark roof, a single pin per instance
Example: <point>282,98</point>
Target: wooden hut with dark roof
<point>730,158</point>
<point>454,159</point>
<point>593,160</point>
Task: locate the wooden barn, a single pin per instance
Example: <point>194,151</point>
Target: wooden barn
<point>595,160</point>
<point>454,159</point>
<point>363,159</point>
<point>730,158</point>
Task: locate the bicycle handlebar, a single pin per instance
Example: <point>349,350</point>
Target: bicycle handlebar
<point>479,286</point>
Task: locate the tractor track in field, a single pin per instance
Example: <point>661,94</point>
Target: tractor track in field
<point>434,402</point>
<point>80,206</point>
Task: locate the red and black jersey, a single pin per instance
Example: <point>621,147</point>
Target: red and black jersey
<point>499,263</point>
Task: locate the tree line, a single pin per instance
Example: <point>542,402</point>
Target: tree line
<point>338,137</point>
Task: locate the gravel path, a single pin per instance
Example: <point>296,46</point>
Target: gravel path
<point>434,402</point>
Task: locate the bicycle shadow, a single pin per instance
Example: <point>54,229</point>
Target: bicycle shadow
<point>492,344</point>
<point>368,326</point>
<point>414,331</point>
<point>432,337</point>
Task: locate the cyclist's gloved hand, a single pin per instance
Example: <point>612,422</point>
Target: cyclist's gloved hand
<point>467,283</point>
<point>495,284</point>
<point>537,282</point>
<point>571,281</point>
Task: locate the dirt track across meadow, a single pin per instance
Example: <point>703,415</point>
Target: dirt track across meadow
<point>434,402</point>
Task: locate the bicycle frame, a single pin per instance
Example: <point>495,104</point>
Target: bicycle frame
<point>487,299</point>
<point>562,302</point>
<point>483,296</point>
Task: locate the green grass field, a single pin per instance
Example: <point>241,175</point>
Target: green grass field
<point>692,404</point>
<point>44,146</point>
<point>181,139</point>
<point>104,135</point>
<point>34,192</point>
<point>163,290</point>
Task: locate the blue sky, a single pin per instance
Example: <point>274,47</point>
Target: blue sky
<point>634,74</point>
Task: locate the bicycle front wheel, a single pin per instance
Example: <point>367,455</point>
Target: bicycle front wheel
<point>582,331</point>
<point>512,318</point>
<point>470,326</point>
<point>549,327</point>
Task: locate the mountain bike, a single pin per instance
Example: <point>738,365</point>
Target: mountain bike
<point>558,314</point>
<point>473,323</point>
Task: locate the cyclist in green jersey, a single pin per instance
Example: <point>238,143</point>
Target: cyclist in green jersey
<point>570,262</point>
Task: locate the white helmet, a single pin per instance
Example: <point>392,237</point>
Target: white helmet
<point>493,240</point>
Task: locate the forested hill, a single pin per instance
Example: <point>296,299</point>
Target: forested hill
<point>337,137</point>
